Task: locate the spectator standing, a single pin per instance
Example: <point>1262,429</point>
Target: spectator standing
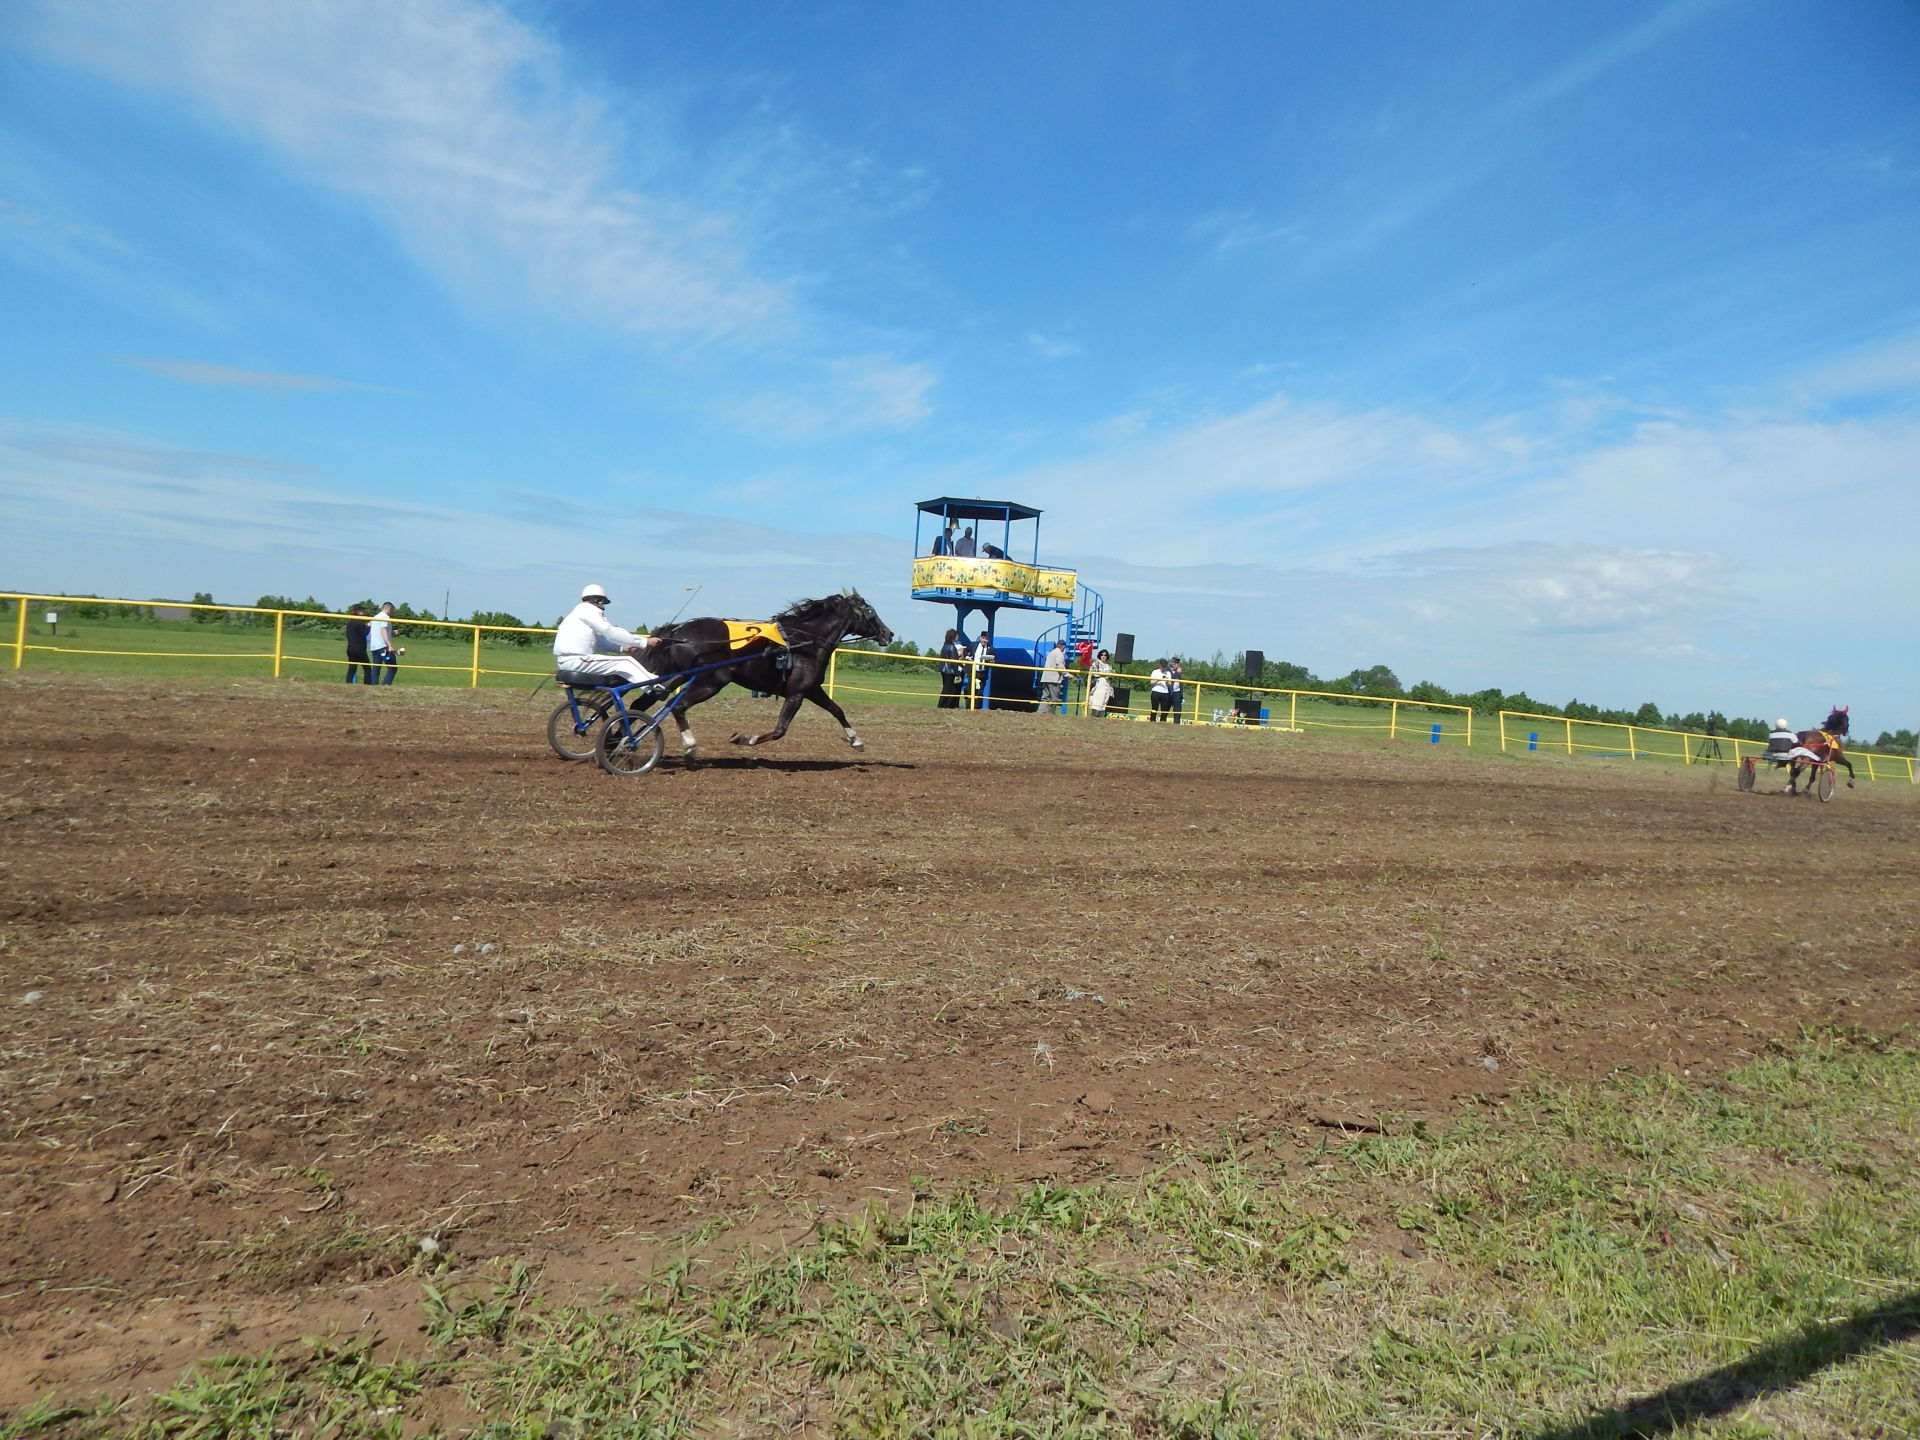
<point>965,546</point>
<point>1100,692</point>
<point>1159,690</point>
<point>1176,692</point>
<point>380,644</point>
<point>357,648</point>
<point>1053,678</point>
<point>943,542</point>
<point>953,670</point>
<point>587,641</point>
<point>981,677</point>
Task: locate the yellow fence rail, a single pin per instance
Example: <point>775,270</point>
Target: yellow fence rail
<point>278,657</point>
<point>1608,739</point>
<point>1202,702</point>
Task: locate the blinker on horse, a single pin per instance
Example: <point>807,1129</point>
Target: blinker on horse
<point>813,630</point>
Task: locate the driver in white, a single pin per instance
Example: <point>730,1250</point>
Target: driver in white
<point>588,641</point>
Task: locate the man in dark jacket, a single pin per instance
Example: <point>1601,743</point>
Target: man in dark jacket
<point>357,660</point>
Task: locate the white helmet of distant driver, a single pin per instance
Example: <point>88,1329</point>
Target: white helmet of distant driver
<point>593,592</point>
<point>1781,725</point>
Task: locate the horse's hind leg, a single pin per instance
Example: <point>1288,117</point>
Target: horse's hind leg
<point>696,691</point>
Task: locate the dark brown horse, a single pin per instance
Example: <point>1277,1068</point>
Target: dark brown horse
<point>793,671</point>
<point>1828,743</point>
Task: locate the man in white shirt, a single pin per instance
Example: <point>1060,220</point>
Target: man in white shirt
<point>591,644</point>
<point>380,643</point>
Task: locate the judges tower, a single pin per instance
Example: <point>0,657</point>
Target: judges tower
<point>970,555</point>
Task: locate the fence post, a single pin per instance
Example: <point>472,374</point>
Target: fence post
<point>1633,746</point>
<point>476,659</point>
<point>279,630</point>
<point>20,633</point>
<point>1503,737</point>
<point>1293,710</point>
<point>833,664</point>
<point>1569,737</point>
<point>1393,720</point>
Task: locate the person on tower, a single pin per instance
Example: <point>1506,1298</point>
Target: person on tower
<point>589,643</point>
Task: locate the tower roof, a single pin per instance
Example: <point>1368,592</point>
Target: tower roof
<point>958,509</point>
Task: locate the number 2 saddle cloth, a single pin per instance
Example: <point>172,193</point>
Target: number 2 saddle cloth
<point>751,634</point>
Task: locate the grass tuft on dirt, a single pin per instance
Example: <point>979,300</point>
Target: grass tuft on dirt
<point>1664,1255</point>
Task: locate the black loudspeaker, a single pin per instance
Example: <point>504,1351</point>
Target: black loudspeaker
<point>1123,649</point>
<point>1122,696</point>
<point>1247,707</point>
<point>1256,664</point>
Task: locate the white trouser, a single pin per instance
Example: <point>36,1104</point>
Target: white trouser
<point>615,669</point>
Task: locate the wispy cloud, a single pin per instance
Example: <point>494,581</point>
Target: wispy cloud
<point>1481,146</point>
<point>462,128</point>
<point>1224,231</point>
<point>523,189</point>
<point>1053,347</point>
<point>194,372</point>
<point>840,397</point>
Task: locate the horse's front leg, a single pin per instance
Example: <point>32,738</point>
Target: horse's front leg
<point>788,708</point>
<point>818,695</point>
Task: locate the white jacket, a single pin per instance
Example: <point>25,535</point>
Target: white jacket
<point>586,631</point>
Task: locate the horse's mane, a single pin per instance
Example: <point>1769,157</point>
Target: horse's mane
<point>804,610</point>
<point>1837,721</point>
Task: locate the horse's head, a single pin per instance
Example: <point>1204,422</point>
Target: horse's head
<point>1837,722</point>
<point>862,622</point>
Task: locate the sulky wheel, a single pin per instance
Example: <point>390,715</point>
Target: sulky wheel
<point>1823,781</point>
<point>628,747</point>
<point>1745,778</point>
<point>573,739</point>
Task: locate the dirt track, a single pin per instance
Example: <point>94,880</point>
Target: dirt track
<point>260,1065</point>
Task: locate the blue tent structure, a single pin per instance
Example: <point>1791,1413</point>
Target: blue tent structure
<point>970,555</point>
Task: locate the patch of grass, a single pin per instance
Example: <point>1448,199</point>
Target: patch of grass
<point>334,1388</point>
<point>283,1255</point>
<point>1531,1270</point>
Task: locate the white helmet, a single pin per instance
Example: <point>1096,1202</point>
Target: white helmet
<point>1781,725</point>
<point>593,592</point>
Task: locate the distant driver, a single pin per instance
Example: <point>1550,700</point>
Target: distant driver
<point>590,643</point>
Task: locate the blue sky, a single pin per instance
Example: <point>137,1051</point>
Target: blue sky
<point>1567,348</point>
